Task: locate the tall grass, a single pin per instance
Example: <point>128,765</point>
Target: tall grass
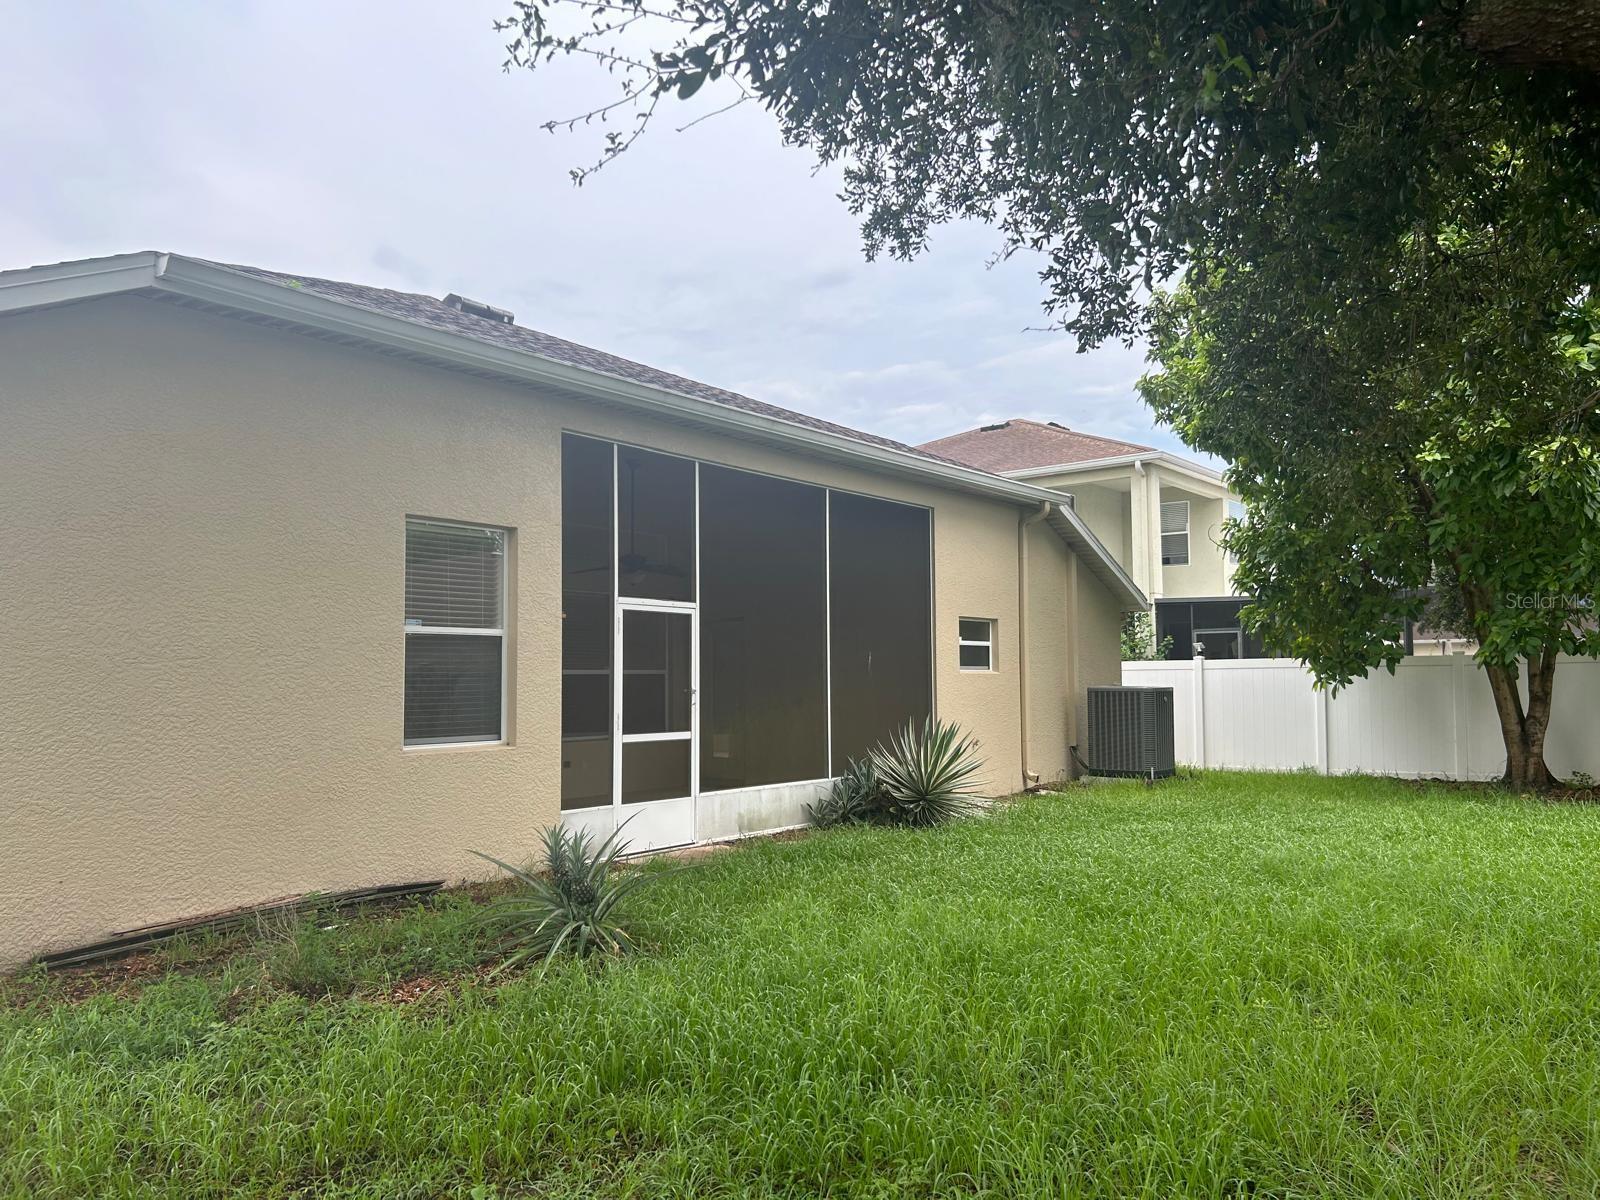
<point>1226,986</point>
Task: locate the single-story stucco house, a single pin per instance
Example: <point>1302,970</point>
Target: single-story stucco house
<point>311,586</point>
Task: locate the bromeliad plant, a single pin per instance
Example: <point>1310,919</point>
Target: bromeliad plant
<point>573,906</point>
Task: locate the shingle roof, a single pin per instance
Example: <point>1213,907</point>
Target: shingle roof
<point>446,334</point>
<point>1018,444</point>
<point>433,312</point>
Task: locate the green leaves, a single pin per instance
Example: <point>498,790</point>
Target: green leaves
<point>850,799</point>
<point>1119,138</point>
<point>1406,405</point>
<point>690,82</point>
<point>571,908</point>
<point>925,773</point>
<point>1139,639</point>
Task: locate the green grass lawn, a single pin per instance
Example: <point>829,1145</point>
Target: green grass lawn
<point>1231,985</point>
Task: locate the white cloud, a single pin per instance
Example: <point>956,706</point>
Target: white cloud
<point>380,141</point>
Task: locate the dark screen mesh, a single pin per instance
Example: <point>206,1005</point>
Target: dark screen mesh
<point>1215,622</point>
<point>655,771</point>
<point>655,525</point>
<point>763,630</point>
<point>586,630</point>
<point>882,651</point>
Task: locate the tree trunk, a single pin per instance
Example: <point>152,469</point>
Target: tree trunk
<point>1523,729</point>
<point>1561,35</point>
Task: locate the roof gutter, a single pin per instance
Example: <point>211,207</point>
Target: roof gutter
<point>1070,528</point>
<point>66,283</point>
<point>206,283</point>
<point>217,285</point>
<point>1136,461</point>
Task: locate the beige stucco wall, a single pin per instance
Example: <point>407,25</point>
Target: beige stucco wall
<point>202,561</point>
<point>1105,510</point>
<point>1105,500</point>
<point>1097,647</point>
<point>1050,708</point>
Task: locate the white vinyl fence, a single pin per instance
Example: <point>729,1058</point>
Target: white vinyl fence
<point>1434,718</point>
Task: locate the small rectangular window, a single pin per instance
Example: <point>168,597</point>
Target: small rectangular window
<point>1174,533</point>
<point>976,644</point>
<point>455,633</point>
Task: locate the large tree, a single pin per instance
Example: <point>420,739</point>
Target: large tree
<point>1111,135</point>
<point>1431,420</point>
<point>1305,161</point>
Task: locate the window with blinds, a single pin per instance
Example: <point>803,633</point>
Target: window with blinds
<point>1175,533</point>
<point>455,633</point>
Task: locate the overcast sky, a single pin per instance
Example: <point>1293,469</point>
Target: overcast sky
<point>381,142</point>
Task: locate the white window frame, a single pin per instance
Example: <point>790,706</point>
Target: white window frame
<point>1174,561</point>
<point>987,643</point>
<point>1236,631</point>
<point>460,631</point>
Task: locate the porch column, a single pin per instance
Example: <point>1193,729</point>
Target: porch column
<point>1145,490</point>
<point>1139,523</point>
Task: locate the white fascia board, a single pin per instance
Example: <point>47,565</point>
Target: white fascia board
<point>64,283</point>
<point>217,285</point>
<point>207,283</point>
<point>1081,540</point>
<point>1159,457</point>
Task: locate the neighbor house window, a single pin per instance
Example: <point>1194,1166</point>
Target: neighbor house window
<point>1175,533</point>
<point>976,649</point>
<point>455,633</point>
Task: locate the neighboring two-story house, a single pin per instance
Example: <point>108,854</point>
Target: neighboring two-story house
<point>1160,516</point>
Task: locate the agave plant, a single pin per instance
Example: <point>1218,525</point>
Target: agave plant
<point>925,773</point>
<point>851,798</point>
<point>572,907</point>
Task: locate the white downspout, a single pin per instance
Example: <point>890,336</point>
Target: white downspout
<point>1029,778</point>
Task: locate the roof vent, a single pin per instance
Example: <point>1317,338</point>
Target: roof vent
<point>477,308</point>
<point>992,428</point>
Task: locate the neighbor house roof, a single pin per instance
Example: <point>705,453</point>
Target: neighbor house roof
<point>1018,445</point>
<point>429,330</point>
